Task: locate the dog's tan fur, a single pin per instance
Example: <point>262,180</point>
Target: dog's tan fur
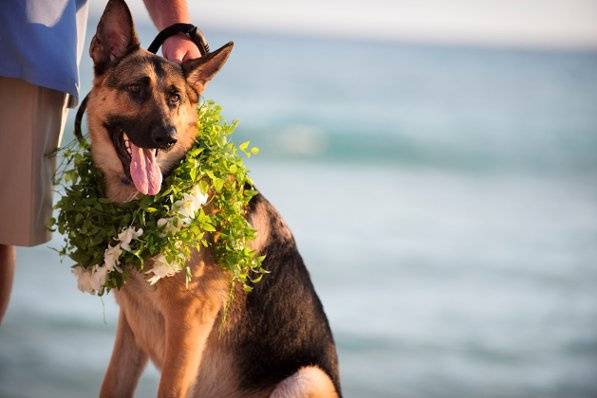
<point>170,324</point>
<point>178,328</point>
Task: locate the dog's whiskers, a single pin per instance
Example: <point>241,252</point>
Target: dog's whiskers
<point>132,196</point>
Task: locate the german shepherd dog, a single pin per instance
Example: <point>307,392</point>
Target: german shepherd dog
<point>276,340</point>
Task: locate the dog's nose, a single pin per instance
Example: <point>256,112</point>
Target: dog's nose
<point>163,136</point>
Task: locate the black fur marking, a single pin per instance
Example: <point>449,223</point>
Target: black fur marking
<point>139,91</point>
<point>121,74</point>
<point>116,135</point>
<point>136,129</point>
<point>121,71</point>
<point>283,326</point>
<point>157,66</point>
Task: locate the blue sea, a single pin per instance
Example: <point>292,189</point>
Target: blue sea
<point>444,199</point>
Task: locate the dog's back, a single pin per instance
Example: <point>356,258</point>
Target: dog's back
<point>275,340</point>
<point>282,326</point>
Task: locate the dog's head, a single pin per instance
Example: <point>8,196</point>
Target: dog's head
<point>142,108</point>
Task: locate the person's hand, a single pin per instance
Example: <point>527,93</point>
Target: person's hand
<point>179,48</point>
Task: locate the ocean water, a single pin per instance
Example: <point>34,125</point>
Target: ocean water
<point>444,200</point>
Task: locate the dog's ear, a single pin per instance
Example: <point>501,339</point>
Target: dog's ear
<point>115,36</point>
<point>201,70</point>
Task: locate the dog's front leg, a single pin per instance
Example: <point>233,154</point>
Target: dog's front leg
<point>126,364</point>
<point>186,335</point>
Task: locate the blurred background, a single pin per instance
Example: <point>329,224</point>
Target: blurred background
<point>437,164</point>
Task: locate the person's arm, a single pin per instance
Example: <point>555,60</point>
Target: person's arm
<point>165,13</point>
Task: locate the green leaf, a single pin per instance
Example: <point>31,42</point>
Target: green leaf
<point>89,221</point>
<point>243,146</point>
<point>218,184</point>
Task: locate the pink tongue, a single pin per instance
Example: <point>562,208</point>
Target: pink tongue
<point>145,171</point>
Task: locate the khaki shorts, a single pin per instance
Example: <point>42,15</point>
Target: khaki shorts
<point>31,123</point>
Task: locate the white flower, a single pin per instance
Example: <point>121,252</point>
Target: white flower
<point>190,203</point>
<point>186,207</point>
<point>127,235</point>
<point>199,198</point>
<point>161,269</point>
<point>112,253</point>
<point>98,278</point>
<point>168,225</point>
<point>112,257</point>
<point>91,280</point>
<point>185,210</point>
<point>83,279</point>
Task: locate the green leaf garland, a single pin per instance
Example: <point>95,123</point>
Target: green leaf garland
<point>90,223</point>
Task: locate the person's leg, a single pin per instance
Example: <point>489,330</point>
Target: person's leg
<point>31,122</point>
<point>7,270</point>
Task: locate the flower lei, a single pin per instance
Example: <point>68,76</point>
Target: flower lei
<point>106,240</point>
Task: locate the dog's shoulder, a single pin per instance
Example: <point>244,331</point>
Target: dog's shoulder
<point>269,225</point>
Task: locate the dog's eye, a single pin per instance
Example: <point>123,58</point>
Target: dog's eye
<point>134,89</point>
<point>173,99</point>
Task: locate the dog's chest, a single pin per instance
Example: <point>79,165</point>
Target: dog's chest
<point>146,307</point>
<point>141,309</point>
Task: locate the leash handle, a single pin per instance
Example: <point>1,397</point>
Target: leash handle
<point>190,31</point>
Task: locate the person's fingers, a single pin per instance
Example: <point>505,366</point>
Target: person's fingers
<point>179,49</point>
<point>192,53</point>
<point>173,52</point>
<point>176,55</point>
